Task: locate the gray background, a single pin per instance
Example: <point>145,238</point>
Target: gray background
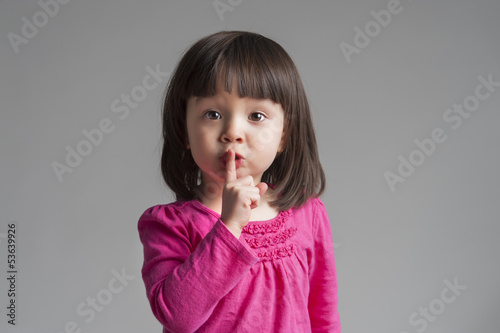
<point>395,250</point>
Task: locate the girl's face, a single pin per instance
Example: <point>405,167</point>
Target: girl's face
<point>253,128</point>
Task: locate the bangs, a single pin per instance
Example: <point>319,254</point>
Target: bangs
<point>255,66</point>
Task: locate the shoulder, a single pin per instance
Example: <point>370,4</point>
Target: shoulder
<point>180,220</point>
<point>173,214</point>
<point>303,215</point>
<point>163,211</point>
<point>312,212</point>
<point>310,207</point>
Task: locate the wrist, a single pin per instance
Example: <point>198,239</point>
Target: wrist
<point>233,228</point>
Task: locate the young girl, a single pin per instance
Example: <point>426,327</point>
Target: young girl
<point>247,246</point>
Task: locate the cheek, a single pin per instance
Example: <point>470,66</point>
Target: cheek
<point>268,139</point>
<point>201,157</point>
<point>193,133</point>
<point>200,147</point>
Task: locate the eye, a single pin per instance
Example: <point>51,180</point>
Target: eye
<point>213,115</point>
<point>256,116</point>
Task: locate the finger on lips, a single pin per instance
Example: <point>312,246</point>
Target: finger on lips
<point>230,166</point>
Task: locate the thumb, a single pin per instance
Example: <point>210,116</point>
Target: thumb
<point>262,188</point>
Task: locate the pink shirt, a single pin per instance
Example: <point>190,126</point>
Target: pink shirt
<point>279,276</point>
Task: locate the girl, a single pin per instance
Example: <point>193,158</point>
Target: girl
<point>247,246</point>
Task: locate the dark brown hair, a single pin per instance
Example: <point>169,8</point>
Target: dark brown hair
<point>261,69</point>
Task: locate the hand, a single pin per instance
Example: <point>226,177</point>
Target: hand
<point>239,197</point>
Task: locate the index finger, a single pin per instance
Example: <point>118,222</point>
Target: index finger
<point>230,166</point>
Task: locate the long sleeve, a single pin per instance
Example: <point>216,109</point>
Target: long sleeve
<point>185,274</point>
<point>323,299</point>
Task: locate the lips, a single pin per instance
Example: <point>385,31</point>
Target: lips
<point>238,160</point>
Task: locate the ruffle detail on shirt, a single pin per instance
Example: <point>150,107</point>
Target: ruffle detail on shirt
<point>279,252</point>
<point>270,238</point>
<point>265,228</point>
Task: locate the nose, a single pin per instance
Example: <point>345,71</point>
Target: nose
<point>233,131</point>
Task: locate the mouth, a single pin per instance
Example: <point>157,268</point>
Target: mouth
<point>238,160</point>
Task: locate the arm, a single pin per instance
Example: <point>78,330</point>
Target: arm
<point>322,306</point>
<point>184,284</point>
